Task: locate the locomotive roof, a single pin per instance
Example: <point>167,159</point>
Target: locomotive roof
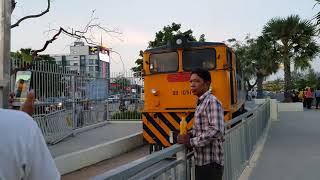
<point>189,44</point>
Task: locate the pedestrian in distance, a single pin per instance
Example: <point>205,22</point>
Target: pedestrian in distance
<point>309,97</point>
<point>207,135</point>
<point>317,95</point>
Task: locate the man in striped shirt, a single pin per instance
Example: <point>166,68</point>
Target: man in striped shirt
<point>208,129</point>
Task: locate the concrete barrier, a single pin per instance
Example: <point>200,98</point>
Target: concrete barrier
<point>259,101</point>
<point>273,109</point>
<point>86,157</point>
<point>290,107</point>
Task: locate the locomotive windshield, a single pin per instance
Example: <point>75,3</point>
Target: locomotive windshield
<point>164,62</point>
<point>199,58</point>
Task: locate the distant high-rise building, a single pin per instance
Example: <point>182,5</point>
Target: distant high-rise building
<point>93,61</point>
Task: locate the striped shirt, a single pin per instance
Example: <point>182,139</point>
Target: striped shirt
<point>208,131</point>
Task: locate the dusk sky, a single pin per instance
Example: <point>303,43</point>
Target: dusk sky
<point>139,20</point>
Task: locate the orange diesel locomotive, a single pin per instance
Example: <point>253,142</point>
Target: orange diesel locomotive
<point>167,94</point>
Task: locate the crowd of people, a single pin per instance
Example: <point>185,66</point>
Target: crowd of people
<point>307,96</point>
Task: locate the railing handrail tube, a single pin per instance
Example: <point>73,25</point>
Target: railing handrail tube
<point>163,169</point>
<point>136,166</point>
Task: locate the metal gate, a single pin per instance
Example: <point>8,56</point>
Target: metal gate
<point>67,100</point>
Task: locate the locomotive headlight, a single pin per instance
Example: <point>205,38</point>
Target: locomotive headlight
<point>154,92</point>
<point>179,41</point>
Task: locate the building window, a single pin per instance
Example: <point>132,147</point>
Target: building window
<point>91,68</point>
<point>97,68</point>
<point>75,64</point>
<point>68,63</point>
<point>82,57</point>
<point>91,61</point>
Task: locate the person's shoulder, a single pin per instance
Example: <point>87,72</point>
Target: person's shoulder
<point>212,98</point>
<point>14,117</point>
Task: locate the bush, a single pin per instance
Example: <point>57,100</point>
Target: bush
<point>127,115</point>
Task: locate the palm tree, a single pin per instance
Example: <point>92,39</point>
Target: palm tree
<point>317,16</point>
<point>293,39</point>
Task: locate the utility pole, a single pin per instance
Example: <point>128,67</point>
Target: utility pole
<point>5,22</point>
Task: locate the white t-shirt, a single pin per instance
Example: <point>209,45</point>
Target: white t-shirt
<point>24,154</point>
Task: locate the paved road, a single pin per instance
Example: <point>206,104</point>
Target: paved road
<point>95,137</point>
<point>292,149</point>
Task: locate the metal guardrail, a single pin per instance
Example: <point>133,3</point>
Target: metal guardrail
<point>55,126</point>
<point>241,140</point>
<point>136,169</point>
<point>67,100</point>
<point>174,163</point>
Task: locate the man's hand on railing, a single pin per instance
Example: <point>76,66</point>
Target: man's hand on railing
<point>184,139</point>
<point>27,106</point>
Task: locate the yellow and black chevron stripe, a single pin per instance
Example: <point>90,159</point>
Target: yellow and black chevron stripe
<point>157,127</point>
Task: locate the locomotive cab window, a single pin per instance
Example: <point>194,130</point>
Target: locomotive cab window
<point>164,62</point>
<point>199,58</point>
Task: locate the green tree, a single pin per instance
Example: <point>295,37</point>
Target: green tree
<point>24,55</point>
<point>317,16</point>
<point>241,50</point>
<point>168,34</point>
<point>293,38</point>
<point>312,79</point>
<point>163,37</point>
<point>264,60</point>
<point>121,83</point>
<point>139,65</point>
<point>257,60</point>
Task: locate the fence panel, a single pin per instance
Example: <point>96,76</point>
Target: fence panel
<point>68,100</point>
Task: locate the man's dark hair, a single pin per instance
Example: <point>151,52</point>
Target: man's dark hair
<point>203,74</point>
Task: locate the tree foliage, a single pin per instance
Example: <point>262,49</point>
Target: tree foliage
<point>120,84</point>
<point>24,55</point>
<point>139,65</point>
<point>257,60</point>
<point>306,79</point>
<point>293,39</point>
<point>317,17</point>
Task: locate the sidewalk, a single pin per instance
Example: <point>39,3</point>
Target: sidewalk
<point>292,149</point>
<point>94,137</point>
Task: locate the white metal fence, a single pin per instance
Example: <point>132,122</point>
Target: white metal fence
<point>173,163</point>
<point>68,100</point>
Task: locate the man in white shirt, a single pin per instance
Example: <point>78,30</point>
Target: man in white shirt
<point>24,154</point>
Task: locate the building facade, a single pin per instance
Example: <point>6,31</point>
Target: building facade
<point>91,61</point>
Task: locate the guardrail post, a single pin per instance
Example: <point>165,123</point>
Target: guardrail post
<point>182,168</point>
<point>74,119</point>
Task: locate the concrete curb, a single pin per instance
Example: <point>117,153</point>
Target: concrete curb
<point>76,160</point>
